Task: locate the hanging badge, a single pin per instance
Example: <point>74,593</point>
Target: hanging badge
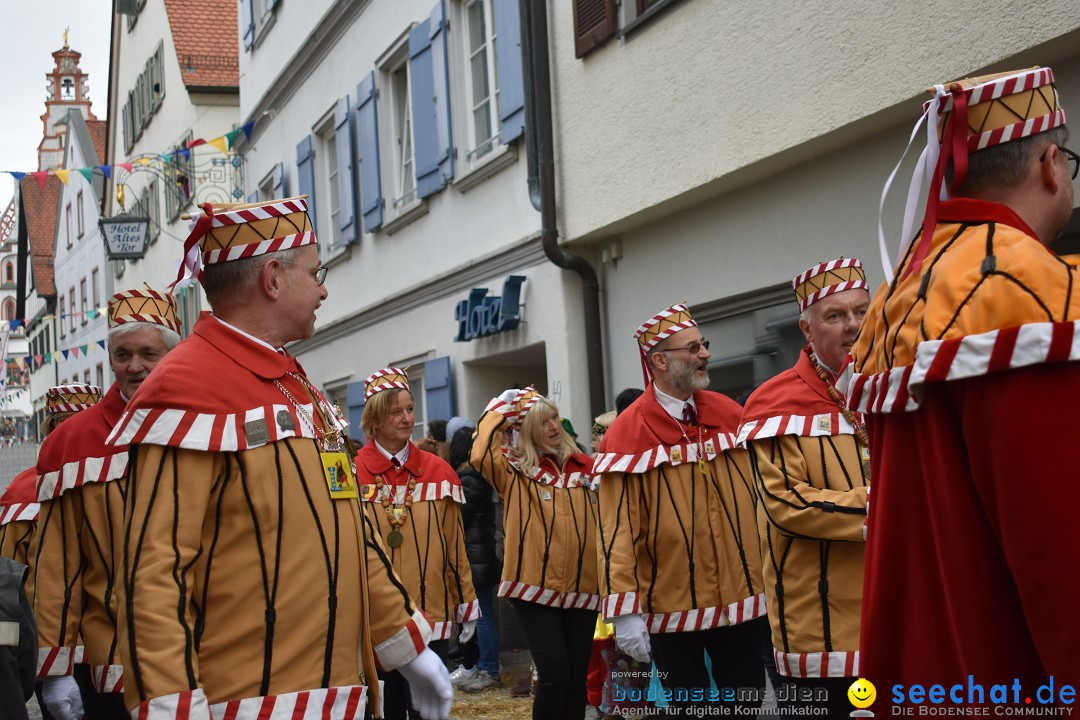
<point>676,455</point>
<point>824,423</point>
<point>367,492</point>
<point>545,494</point>
<point>339,477</point>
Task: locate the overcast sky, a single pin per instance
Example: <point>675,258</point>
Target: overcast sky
<point>35,30</point>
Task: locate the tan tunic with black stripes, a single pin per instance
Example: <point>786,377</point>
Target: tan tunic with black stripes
<point>677,545</point>
<point>246,584</point>
<point>811,513</point>
<point>549,522</point>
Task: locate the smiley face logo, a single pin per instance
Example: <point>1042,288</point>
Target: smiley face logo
<point>862,693</point>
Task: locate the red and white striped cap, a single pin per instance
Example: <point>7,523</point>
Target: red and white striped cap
<point>63,401</point>
<point>236,231</point>
<point>827,278</point>
<point>145,306</point>
<point>386,379</point>
<point>660,326</point>
<point>1003,107</point>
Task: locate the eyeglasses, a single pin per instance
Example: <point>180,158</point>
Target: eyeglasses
<point>319,273</point>
<point>1072,160</point>
<point>693,348</point>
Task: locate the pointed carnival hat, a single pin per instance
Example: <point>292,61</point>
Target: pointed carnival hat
<point>236,231</point>
<point>966,116</point>
<point>827,278</point>
<point>660,326</point>
<point>386,379</point>
<point>143,306</point>
<point>63,401</point>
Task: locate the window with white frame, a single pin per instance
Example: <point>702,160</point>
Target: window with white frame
<point>95,287</point>
<point>149,206</point>
<point>266,187</point>
<point>482,85</point>
<point>67,214</point>
<point>404,157</point>
<point>330,184</point>
<point>79,212</point>
<point>63,328</point>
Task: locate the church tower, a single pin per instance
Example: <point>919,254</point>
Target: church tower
<point>68,89</point>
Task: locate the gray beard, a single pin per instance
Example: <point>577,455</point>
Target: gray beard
<point>682,376</point>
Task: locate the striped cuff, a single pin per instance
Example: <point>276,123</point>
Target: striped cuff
<point>817,664</point>
<point>405,644</point>
<point>108,678</point>
<point>56,661</point>
<point>188,705</point>
<point>467,611</point>
<point>625,603</point>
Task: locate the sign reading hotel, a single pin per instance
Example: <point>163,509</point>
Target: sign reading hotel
<point>484,314</point>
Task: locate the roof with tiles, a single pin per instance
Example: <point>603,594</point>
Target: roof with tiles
<point>40,206</point>
<point>207,46</point>
<point>97,135</point>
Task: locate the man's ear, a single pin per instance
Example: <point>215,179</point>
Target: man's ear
<point>1048,170</point>
<point>271,279</point>
<point>659,361</point>
<point>805,327</point>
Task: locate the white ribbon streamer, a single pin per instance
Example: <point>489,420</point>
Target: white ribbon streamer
<point>923,167</point>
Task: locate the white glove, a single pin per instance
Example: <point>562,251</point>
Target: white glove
<point>632,637</point>
<point>468,629</point>
<point>62,697</point>
<point>429,685</point>
<point>509,396</point>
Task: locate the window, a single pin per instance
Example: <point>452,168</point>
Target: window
<point>71,310</point>
<point>9,272</point>
<point>256,17</point>
<point>401,103</point>
<point>95,287</point>
<point>9,309</point>
<point>149,206</point>
<point>60,308</point>
<point>331,185</point>
<point>482,85</point>
<point>180,179</point>
<point>144,100</point>
<point>82,299</point>
<point>67,216</point>
<point>79,212</point>
<point>86,377</point>
<point>100,375</point>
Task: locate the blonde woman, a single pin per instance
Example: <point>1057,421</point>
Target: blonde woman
<point>412,498</point>
<point>549,567</point>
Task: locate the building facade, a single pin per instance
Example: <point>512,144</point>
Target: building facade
<point>709,152</point>
<point>403,122</point>
<point>173,83</point>
<point>80,268</point>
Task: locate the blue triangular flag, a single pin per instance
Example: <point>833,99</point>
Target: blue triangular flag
<point>106,170</point>
<point>17,175</point>
<point>65,353</point>
<point>247,128</point>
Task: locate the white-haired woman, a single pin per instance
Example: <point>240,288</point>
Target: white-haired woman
<point>549,566</point>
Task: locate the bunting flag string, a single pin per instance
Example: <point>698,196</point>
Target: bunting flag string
<point>223,143</point>
<point>33,362</point>
<point>91,314</point>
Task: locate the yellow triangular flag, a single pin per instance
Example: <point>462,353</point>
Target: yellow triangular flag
<point>62,174</point>
<point>220,144</point>
<point>145,160</point>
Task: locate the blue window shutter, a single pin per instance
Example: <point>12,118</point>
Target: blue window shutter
<point>280,191</point>
<point>438,389</point>
<point>425,136</point>
<point>440,64</point>
<point>355,399</point>
<point>305,174</point>
<point>367,127</point>
<point>346,196</point>
<point>509,67</point>
<point>247,24</point>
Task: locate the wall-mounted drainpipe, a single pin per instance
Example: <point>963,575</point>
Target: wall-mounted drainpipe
<point>540,147</point>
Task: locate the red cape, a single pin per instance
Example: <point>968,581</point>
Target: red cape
<point>796,391</point>
<point>21,490</point>
<point>424,466</point>
<point>645,425</point>
<point>216,370</point>
<point>77,440</point>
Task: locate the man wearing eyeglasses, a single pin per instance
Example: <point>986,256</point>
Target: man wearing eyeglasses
<point>680,569</point>
<point>810,460</point>
<point>252,583</point>
<point>967,368</point>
